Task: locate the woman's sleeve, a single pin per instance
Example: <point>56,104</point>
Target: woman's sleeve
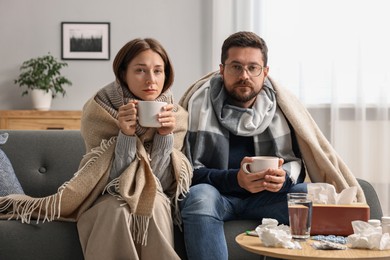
<point>161,159</point>
<point>124,154</point>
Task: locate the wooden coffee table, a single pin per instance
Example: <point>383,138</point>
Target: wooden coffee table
<point>254,245</point>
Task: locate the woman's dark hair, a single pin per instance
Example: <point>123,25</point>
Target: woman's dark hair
<point>134,47</point>
<point>244,39</point>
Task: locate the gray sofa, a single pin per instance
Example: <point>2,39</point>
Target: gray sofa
<point>43,160</point>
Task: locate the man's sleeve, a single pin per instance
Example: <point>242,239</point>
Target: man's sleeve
<point>225,181</point>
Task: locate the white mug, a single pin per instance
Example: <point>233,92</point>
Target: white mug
<point>148,113</point>
<point>261,163</point>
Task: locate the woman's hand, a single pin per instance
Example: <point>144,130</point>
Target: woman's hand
<point>167,120</point>
<point>127,117</point>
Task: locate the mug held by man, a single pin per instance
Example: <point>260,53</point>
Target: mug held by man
<point>260,163</point>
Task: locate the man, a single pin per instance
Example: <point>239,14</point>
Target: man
<point>233,115</point>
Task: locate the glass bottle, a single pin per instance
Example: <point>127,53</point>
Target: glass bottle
<point>386,225</point>
<point>375,223</point>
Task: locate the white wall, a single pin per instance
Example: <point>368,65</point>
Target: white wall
<point>185,28</point>
<point>33,28</point>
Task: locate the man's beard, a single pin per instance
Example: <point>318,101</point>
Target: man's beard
<point>237,96</point>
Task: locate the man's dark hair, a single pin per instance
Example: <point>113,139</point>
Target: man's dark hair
<point>244,39</point>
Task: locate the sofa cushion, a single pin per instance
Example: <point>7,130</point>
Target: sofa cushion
<point>50,240</point>
<point>44,160</point>
<point>9,184</point>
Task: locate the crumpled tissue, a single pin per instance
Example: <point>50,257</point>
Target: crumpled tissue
<point>274,235</point>
<point>368,237</point>
<point>325,193</point>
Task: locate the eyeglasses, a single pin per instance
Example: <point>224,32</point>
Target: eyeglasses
<point>236,69</point>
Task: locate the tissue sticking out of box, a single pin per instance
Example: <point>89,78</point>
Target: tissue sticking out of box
<point>368,237</point>
<point>324,193</point>
<point>273,235</point>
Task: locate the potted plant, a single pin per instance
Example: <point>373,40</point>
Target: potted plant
<point>42,75</point>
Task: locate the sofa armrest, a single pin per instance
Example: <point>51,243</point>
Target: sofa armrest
<point>372,199</point>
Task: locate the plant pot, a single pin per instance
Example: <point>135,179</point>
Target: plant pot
<point>41,99</point>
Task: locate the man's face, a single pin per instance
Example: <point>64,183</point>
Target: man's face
<point>243,87</point>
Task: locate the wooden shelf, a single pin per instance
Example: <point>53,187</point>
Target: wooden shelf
<point>40,120</point>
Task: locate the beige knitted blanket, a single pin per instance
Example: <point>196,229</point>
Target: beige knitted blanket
<point>323,164</point>
<point>136,186</point>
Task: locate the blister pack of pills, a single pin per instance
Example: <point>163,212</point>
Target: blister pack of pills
<point>330,238</point>
<point>327,245</point>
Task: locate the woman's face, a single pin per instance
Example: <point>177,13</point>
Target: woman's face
<point>145,75</point>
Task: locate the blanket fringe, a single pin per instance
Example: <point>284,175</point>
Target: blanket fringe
<point>182,189</point>
<point>23,207</point>
<point>95,153</point>
<point>139,228</point>
<point>112,188</point>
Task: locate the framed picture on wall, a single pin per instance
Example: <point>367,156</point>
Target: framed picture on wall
<point>85,40</point>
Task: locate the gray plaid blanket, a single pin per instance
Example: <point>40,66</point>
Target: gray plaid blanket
<point>212,119</point>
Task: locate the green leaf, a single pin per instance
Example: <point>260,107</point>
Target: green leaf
<point>43,73</point>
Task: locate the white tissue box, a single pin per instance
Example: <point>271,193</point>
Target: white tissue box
<point>330,219</point>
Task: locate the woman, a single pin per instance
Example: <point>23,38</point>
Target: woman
<point>148,172</point>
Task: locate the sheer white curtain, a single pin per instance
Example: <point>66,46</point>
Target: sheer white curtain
<point>334,54</point>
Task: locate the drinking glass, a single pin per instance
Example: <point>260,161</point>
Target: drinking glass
<point>299,210</point>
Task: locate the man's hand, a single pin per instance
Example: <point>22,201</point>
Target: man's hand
<point>270,179</point>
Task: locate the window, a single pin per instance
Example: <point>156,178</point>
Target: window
<point>329,51</point>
